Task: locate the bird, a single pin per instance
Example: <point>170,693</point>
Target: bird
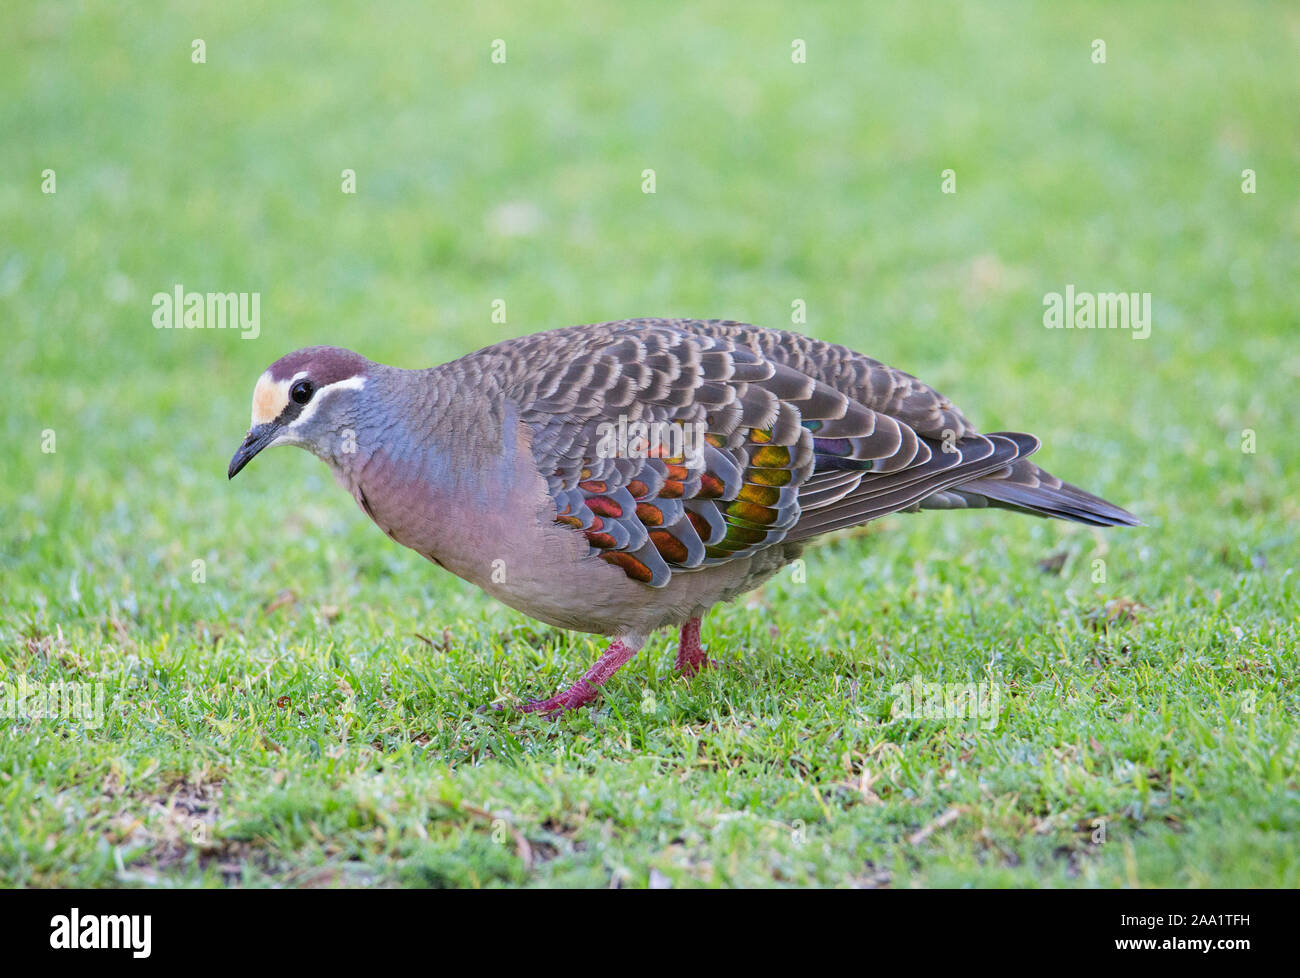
<point>621,477</point>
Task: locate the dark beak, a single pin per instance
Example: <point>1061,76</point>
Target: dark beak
<point>257,439</point>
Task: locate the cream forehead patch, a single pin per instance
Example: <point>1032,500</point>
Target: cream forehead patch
<point>269,398</point>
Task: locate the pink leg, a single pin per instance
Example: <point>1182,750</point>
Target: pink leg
<point>691,657</point>
<point>584,690</point>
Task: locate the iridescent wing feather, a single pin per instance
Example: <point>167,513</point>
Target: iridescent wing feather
<point>677,444</point>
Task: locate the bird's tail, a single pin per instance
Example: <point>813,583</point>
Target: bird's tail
<point>1026,488</point>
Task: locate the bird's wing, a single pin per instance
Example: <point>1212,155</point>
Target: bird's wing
<point>1017,485</point>
<point>675,445</point>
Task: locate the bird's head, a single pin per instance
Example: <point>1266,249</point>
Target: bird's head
<point>308,398</point>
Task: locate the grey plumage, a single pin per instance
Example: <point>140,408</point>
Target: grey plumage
<point>618,477</point>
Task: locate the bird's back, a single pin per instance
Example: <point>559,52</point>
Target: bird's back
<point>799,437</point>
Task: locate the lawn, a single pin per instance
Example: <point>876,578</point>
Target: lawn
<point>289,698</point>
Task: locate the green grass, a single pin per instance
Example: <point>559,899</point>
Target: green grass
<point>307,714</point>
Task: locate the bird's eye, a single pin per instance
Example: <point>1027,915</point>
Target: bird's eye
<point>301,392</point>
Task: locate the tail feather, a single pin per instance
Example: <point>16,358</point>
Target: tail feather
<point>1025,487</point>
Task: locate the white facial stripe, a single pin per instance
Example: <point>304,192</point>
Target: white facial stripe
<point>351,384</point>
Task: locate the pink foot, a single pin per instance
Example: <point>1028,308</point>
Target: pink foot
<point>579,694</point>
<point>691,657</point>
<point>585,689</point>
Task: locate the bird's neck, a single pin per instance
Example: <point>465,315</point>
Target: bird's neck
<point>433,474</point>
